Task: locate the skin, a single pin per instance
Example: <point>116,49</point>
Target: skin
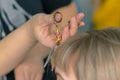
<point>25,37</point>
<point>69,74</point>
<point>61,75</point>
<point>33,65</point>
<point>34,61</point>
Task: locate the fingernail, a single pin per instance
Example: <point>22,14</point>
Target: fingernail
<point>82,14</point>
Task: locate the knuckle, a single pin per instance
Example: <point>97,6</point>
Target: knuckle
<point>26,67</point>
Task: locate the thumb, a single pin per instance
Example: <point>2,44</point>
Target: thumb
<point>48,18</point>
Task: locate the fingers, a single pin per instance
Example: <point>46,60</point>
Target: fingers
<point>38,76</point>
<point>65,33</point>
<point>49,18</point>
<point>79,18</point>
<point>47,38</point>
<point>81,24</point>
<point>50,40</point>
<point>27,75</point>
<point>73,26</point>
<point>46,31</point>
<point>43,19</point>
<point>19,75</point>
<point>75,23</point>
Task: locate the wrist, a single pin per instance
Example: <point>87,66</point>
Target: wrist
<point>38,52</point>
<point>29,31</point>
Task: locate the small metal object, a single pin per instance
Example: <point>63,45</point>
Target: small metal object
<point>49,57</point>
<point>57,19</point>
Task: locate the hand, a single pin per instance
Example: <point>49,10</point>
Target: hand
<point>48,39</point>
<point>40,24</point>
<point>72,27</point>
<point>29,69</point>
<point>38,29</point>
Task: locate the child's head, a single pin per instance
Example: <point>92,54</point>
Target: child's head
<point>94,55</point>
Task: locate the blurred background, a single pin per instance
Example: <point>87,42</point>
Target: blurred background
<point>99,14</point>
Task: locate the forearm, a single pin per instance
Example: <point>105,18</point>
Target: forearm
<point>38,53</point>
<point>13,48</point>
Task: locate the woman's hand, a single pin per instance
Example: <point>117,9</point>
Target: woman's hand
<point>31,67</point>
<point>39,28</point>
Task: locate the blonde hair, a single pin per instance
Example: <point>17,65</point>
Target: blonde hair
<point>98,55</point>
